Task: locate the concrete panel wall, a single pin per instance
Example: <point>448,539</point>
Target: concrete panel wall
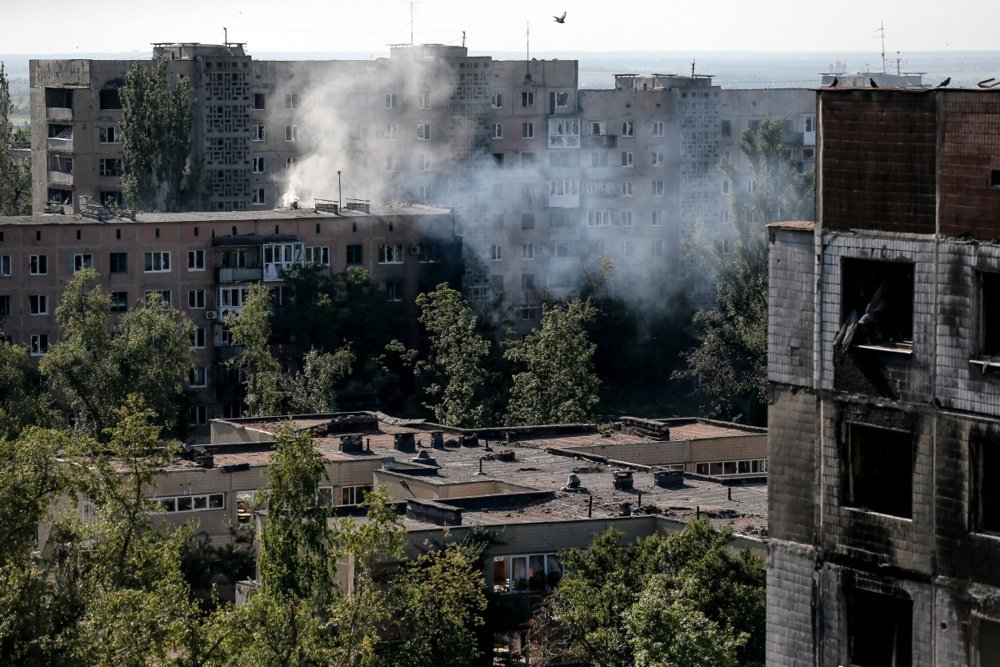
<point>793,465</point>
<point>791,307</point>
<point>790,571</point>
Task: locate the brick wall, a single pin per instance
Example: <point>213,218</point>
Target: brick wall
<point>970,146</point>
<point>877,153</point>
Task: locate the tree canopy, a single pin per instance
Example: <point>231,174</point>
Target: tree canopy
<point>729,364</point>
<point>455,361</point>
<point>94,368</point>
<point>157,118</point>
<point>678,600</point>
<point>15,179</point>
<point>555,381</point>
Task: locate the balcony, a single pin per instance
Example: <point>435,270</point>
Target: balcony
<point>58,114</point>
<point>59,145</point>
<point>240,274</point>
<point>60,178</point>
<point>600,141</point>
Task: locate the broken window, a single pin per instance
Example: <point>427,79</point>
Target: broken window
<point>59,98</point>
<point>880,470</point>
<point>989,316</point>
<point>110,99</point>
<point>876,304</point>
<point>879,629</point>
<point>984,502</point>
<point>986,642</point>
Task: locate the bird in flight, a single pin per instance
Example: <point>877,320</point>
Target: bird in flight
<point>944,83</point>
<point>560,19</point>
<point>833,84</point>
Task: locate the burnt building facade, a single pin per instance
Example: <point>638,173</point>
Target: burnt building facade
<point>884,427</point>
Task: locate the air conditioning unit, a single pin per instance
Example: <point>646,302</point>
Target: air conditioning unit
<point>415,249</point>
<point>211,315</point>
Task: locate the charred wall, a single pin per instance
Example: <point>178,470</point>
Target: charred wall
<point>878,160</point>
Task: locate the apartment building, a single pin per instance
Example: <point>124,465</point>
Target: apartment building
<point>544,178</point>
<point>203,264</point>
<point>885,410</point>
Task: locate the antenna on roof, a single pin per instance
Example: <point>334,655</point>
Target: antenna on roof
<point>881,30</point>
<point>692,69</point>
<point>527,50</point>
<point>225,35</point>
<point>411,24</point>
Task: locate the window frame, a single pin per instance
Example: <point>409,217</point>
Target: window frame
<point>156,258</point>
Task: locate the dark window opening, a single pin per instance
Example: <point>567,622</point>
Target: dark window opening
<point>59,97</point>
<point>987,642</point>
<point>726,128</point>
<point>995,178</point>
<point>118,262</point>
<point>355,255</point>
<point>876,304</point>
<point>258,101</point>
<point>110,99</point>
<point>880,470</point>
<point>989,314</point>
<point>879,630</point>
<point>984,466</point>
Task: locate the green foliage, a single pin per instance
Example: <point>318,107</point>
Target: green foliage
<point>94,369</point>
<point>678,600</point>
<point>15,179</point>
<point>251,329</point>
<point>24,400</point>
<point>556,382</point>
<point>442,601</point>
<point>157,119</point>
<point>729,365</point>
<point>311,390</point>
<point>297,554</point>
<point>457,388</point>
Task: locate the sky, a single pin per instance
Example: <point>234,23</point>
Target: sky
<point>368,26</point>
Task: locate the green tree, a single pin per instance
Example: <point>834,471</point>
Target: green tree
<point>297,554</point>
<point>556,383</point>
<point>24,398</point>
<point>681,599</point>
<point>442,600</point>
<point>729,364</point>
<point>251,329</point>
<point>94,369</point>
<point>455,361</point>
<point>104,591</point>
<point>312,389</point>
<point>157,118</point>
<point>15,179</point>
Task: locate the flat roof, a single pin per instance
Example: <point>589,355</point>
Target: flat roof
<point>227,216</point>
<point>531,485</point>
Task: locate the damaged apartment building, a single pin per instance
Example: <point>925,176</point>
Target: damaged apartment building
<point>545,178</point>
<point>884,364</point>
<point>203,265</point>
